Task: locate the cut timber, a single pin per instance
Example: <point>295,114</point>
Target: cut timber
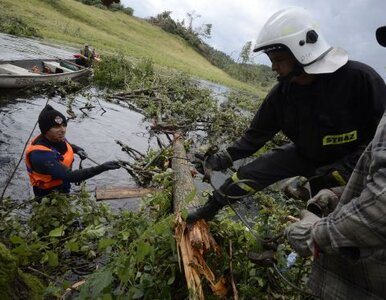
<point>109,193</point>
<point>195,241</point>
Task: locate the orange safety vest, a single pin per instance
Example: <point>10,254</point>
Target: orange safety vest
<point>45,181</point>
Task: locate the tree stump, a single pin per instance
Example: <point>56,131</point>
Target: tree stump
<point>193,241</point>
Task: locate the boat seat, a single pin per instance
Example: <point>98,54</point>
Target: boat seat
<point>10,69</point>
<point>53,65</point>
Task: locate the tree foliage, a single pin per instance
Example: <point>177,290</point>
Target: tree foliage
<point>246,71</point>
<point>113,5</point>
<point>245,54</point>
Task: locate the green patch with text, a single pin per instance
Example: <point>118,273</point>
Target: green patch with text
<point>340,138</point>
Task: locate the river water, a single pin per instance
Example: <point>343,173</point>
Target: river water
<point>96,132</point>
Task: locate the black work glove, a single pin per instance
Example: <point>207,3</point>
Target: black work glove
<point>217,162</point>
<point>324,202</point>
<point>295,188</point>
<point>82,154</point>
<point>111,165</point>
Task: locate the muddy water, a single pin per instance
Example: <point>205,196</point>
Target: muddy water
<point>96,132</point>
<point>12,47</point>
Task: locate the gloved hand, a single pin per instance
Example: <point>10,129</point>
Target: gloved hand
<point>299,234</point>
<point>295,188</point>
<point>323,203</point>
<point>217,162</point>
<point>111,165</point>
<point>82,154</point>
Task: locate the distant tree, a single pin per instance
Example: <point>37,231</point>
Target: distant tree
<point>112,5</point>
<point>191,17</point>
<point>108,2</point>
<point>204,31</point>
<point>245,71</point>
<point>245,54</point>
<point>165,21</point>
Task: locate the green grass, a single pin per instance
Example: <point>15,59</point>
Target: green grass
<point>73,23</point>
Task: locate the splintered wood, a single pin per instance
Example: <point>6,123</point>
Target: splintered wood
<point>195,241</point>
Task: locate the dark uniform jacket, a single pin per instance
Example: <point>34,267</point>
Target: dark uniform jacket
<point>332,118</point>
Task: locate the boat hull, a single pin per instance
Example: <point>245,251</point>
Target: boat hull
<point>26,78</point>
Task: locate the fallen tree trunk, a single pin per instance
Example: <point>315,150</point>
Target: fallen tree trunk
<point>195,241</point>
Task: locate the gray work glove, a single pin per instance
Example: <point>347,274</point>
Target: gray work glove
<point>323,203</point>
<point>299,234</point>
<point>295,188</point>
<point>218,162</point>
<point>111,165</point>
<point>82,154</point>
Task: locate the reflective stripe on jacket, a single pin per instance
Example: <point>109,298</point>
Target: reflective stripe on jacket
<point>45,181</point>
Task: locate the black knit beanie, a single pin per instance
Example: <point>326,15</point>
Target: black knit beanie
<point>49,117</point>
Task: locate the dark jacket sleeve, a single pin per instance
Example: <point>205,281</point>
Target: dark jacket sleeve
<point>76,148</point>
<point>263,127</point>
<point>344,166</point>
<point>45,162</point>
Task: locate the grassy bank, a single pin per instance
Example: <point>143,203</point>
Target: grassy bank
<point>72,23</point>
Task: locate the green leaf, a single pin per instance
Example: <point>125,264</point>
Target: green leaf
<point>66,284</point>
<point>94,232</point>
<point>16,240</point>
<point>171,280</point>
<point>52,258</point>
<point>57,232</point>
<point>95,284</point>
<point>260,281</point>
<point>143,249</point>
<point>190,196</point>
<point>125,235</point>
<point>107,297</point>
<point>137,293</point>
<point>72,246</point>
<point>22,250</point>
<point>184,213</point>
<point>104,243</point>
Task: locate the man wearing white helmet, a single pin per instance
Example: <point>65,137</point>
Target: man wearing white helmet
<point>329,107</point>
<point>349,245</point>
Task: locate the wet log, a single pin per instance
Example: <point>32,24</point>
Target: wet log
<point>109,193</point>
<point>193,241</point>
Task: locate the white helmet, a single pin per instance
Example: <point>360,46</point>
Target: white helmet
<point>293,28</point>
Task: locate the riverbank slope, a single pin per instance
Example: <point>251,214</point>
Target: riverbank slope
<point>73,23</point>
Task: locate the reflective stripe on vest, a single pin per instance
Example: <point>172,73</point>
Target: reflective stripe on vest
<point>242,185</point>
<point>45,181</point>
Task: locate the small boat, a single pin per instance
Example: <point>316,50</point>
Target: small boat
<point>25,73</point>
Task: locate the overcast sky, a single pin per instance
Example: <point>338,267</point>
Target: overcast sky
<point>349,24</point>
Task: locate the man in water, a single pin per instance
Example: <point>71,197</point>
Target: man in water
<point>49,157</point>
